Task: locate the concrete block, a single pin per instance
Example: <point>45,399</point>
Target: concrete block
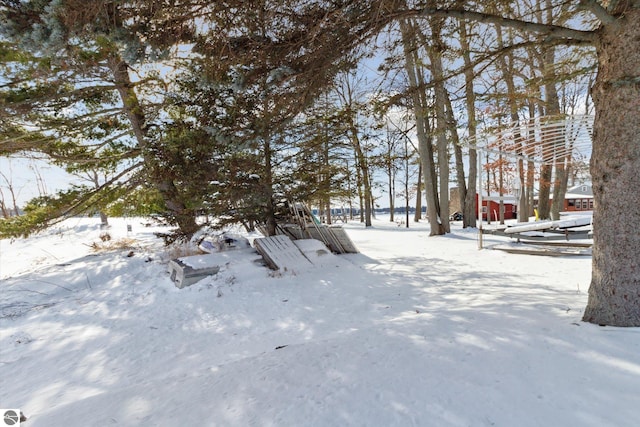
<point>183,274</point>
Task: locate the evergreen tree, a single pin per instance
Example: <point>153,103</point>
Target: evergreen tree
<point>80,93</point>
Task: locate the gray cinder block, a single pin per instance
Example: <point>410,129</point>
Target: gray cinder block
<point>184,275</point>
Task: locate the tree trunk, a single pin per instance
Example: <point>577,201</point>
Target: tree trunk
<point>425,148</point>
<point>364,170</point>
<point>544,205</point>
<point>5,212</point>
<point>501,190</point>
<point>547,180</point>
<point>359,186</point>
<point>531,171</point>
<point>614,294</point>
<point>326,177</point>
<point>418,215</point>
<point>269,205</point>
<point>391,185</point>
<point>559,187</point>
<point>505,63</point>
<point>470,210</point>
<point>553,108</point>
<point>95,180</point>
<point>406,183</point>
<point>435,55</point>
<point>184,218</point>
<point>452,126</point>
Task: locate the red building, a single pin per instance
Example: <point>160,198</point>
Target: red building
<point>576,199</point>
<point>579,198</point>
<point>509,205</point>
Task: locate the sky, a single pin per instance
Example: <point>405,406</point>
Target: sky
<point>411,331</point>
<point>30,178</point>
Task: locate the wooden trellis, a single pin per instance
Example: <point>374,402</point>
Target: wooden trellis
<point>541,140</point>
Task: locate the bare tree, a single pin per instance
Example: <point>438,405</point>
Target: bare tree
<point>9,207</point>
<point>350,92</point>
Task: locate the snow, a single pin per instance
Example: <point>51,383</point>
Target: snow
<point>412,331</point>
<point>567,221</point>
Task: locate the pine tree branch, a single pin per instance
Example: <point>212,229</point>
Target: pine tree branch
<point>22,143</point>
<point>78,207</point>
<point>72,96</point>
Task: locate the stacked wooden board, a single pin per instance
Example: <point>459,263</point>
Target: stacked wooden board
<point>280,253</point>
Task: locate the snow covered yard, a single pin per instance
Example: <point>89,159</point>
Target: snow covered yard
<point>414,330</point>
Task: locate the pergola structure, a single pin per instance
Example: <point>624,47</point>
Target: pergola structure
<point>552,140</point>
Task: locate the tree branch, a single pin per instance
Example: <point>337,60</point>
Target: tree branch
<point>77,207</point>
<point>553,32</point>
<point>598,11</point>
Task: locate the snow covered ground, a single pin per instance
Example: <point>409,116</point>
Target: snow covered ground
<point>413,331</point>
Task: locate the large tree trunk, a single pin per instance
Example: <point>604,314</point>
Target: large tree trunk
<point>531,172</point>
<point>185,218</point>
<point>425,149</point>
<point>470,210</point>
<point>544,196</point>
<point>614,295</point>
<point>436,50</point>
<point>452,126</point>
<point>364,171</point>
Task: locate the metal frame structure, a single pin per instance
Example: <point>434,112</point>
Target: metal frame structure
<point>541,140</point>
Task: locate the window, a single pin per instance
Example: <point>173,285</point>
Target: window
<point>571,203</point>
<point>591,204</point>
<point>585,204</point>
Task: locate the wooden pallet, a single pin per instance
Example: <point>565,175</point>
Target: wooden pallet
<point>336,238</point>
<point>340,234</point>
<point>280,253</point>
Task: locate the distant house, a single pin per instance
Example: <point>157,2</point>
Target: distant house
<point>579,198</point>
<point>509,205</point>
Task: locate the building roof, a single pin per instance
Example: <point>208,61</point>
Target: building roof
<point>580,191</point>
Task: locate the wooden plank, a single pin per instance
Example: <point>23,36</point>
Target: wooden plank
<point>567,234</point>
<point>562,244</point>
<point>343,238</point>
<point>280,253</point>
<point>320,233</point>
<point>545,251</point>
